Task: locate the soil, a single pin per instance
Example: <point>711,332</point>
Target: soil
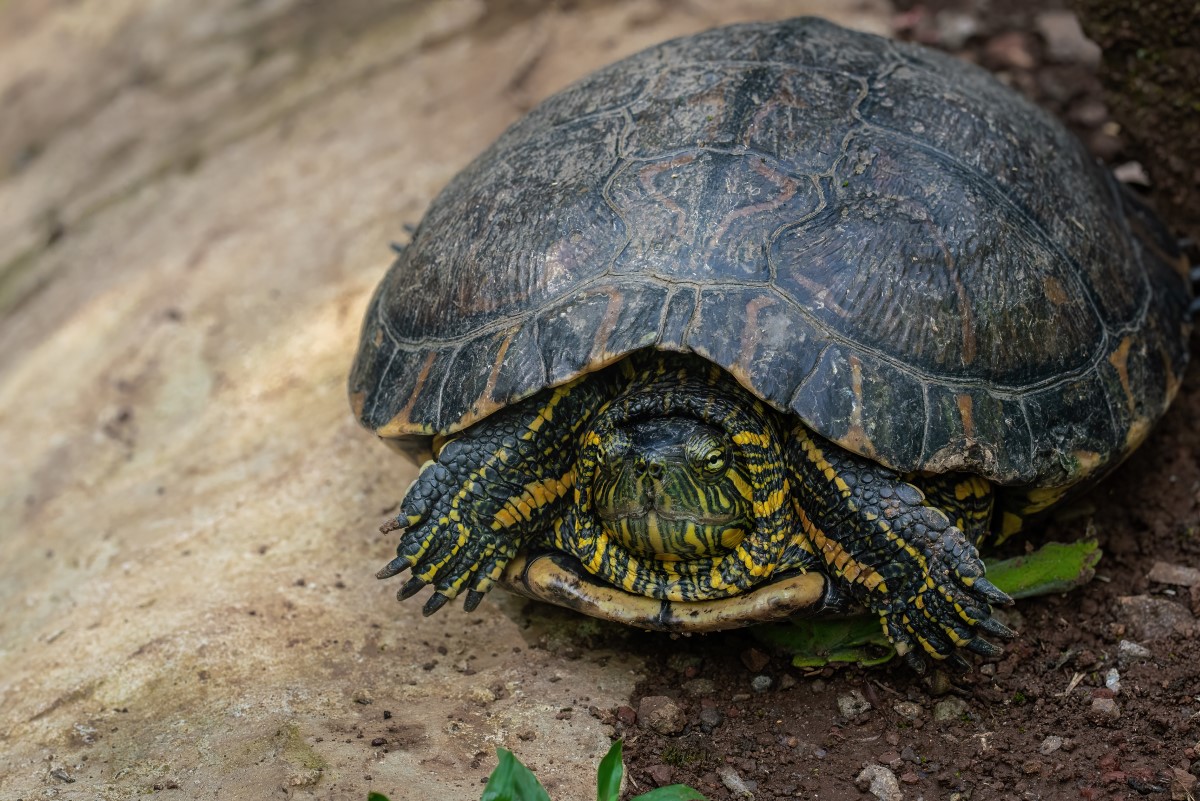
<point>1046,720</point>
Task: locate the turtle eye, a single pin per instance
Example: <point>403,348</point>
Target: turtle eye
<point>714,460</point>
<point>708,454</point>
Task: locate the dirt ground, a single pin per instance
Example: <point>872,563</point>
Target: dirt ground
<point>1037,724</point>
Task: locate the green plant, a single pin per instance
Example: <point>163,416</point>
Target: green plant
<point>512,781</point>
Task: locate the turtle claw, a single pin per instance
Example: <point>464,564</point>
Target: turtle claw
<point>410,588</point>
<point>997,629</point>
<point>392,568</point>
<point>956,664</point>
<point>991,593</point>
<point>984,648</point>
<point>473,599</point>
<point>916,661</point>
<point>435,602</point>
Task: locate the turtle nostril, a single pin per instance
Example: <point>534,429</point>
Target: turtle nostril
<point>656,470</point>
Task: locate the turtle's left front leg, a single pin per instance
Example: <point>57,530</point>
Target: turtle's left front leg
<point>904,560</point>
<point>491,489</point>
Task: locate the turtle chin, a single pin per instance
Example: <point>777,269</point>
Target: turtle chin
<point>659,534</point>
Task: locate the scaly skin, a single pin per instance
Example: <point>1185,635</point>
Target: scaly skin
<point>527,475</point>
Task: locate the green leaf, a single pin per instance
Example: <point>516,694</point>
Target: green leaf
<point>608,777</point>
<point>376,797</point>
<point>512,781</point>
<point>1055,567</point>
<point>830,641</point>
<point>672,792</point>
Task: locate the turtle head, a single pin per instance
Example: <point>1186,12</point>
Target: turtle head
<point>672,488</point>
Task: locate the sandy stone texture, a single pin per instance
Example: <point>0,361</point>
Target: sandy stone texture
<point>196,200</point>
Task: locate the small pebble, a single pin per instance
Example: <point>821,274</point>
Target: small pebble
<point>1104,709</point>
<point>954,28</point>
<point>661,714</point>
<point>1149,618</point>
<point>1065,39</point>
<point>908,710</point>
<point>1129,652</point>
<point>710,718</point>
<point>817,686</point>
<point>734,783</point>
<point>661,775</point>
<point>909,754</point>
<point>879,782</point>
<point>62,776</point>
<point>1131,172</point>
<point>949,709</point>
<point>1011,51</point>
<point>760,684</point>
<point>1179,575</point>
<point>1050,745</point>
<point>627,715</point>
<point>1088,112</point>
<point>853,704</point>
<point>1112,680</point>
<point>1183,784</point>
<point>787,681</point>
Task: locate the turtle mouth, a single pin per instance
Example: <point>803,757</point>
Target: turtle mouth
<point>651,508</point>
<point>558,578</point>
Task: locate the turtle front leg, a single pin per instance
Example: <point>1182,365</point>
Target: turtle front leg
<point>492,489</point>
<point>896,555</point>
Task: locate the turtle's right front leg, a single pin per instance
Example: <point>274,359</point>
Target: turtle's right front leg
<point>492,488</point>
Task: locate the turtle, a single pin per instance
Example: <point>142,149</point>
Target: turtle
<point>780,318</point>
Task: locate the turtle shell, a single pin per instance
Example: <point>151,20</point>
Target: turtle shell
<point>877,238</point>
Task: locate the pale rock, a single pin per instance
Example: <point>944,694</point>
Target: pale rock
<point>880,782</point>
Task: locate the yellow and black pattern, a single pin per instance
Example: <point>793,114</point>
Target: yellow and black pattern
<point>900,558</point>
<point>750,484</point>
<point>666,479</point>
<point>490,491</point>
<point>966,499</point>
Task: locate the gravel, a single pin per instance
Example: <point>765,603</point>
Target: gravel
<point>734,783</point>
<point>880,782</point>
<point>1050,745</point>
<point>853,704</point>
<point>661,714</point>
<point>1149,618</point>
<point>1129,652</point>
<point>950,709</point>
<point>1104,710</point>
